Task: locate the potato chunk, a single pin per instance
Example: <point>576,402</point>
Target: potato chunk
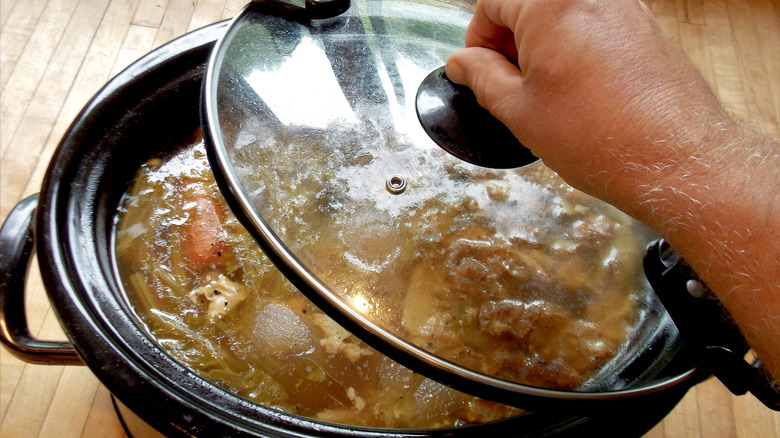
<point>280,333</point>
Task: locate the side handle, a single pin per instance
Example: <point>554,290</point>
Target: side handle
<point>705,325</point>
<point>17,246</point>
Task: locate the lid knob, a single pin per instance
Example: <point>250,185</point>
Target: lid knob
<point>309,9</point>
<point>453,118</point>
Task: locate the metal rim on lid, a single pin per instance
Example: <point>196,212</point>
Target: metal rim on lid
<point>240,45</point>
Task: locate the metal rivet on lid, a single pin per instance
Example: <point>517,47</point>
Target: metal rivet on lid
<point>396,184</point>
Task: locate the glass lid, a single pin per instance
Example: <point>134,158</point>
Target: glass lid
<point>505,283</point>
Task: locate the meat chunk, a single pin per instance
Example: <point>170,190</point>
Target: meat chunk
<point>498,269</point>
<point>562,350</point>
<point>519,320</point>
<point>338,340</point>
<point>593,230</point>
<point>221,294</point>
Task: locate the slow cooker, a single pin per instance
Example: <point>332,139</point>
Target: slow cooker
<point>154,105</point>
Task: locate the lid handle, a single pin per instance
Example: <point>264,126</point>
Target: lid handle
<point>310,9</point>
<point>453,118</point>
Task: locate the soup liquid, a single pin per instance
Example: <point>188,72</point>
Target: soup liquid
<point>549,310</point>
<point>206,292</point>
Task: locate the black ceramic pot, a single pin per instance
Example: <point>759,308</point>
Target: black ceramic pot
<point>148,108</point>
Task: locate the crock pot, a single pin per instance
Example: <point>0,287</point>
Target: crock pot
<point>151,106</point>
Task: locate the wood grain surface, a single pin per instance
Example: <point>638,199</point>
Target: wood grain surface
<point>55,54</point>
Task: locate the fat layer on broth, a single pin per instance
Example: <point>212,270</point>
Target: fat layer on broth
<point>546,310</point>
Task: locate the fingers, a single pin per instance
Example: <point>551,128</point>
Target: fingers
<point>495,80</point>
<point>488,29</point>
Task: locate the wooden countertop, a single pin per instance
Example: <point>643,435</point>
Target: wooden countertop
<point>55,54</point>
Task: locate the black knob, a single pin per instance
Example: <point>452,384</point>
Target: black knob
<point>304,9</point>
<point>453,118</point>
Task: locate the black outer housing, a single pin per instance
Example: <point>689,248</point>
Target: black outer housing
<point>147,109</point>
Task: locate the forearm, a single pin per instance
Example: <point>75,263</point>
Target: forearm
<point>719,210</point>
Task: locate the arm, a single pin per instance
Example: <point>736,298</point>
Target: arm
<point>598,92</point>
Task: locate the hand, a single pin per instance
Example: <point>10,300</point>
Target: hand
<point>592,88</point>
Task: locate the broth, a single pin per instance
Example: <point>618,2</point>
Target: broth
<point>205,291</point>
<point>208,295</point>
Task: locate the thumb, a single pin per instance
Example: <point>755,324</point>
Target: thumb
<point>495,80</point>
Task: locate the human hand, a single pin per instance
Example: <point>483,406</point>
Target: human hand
<point>593,88</point>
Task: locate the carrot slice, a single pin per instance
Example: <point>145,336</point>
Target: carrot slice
<point>203,239</point>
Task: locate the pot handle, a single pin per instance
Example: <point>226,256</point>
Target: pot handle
<point>17,246</point>
<point>711,332</point>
